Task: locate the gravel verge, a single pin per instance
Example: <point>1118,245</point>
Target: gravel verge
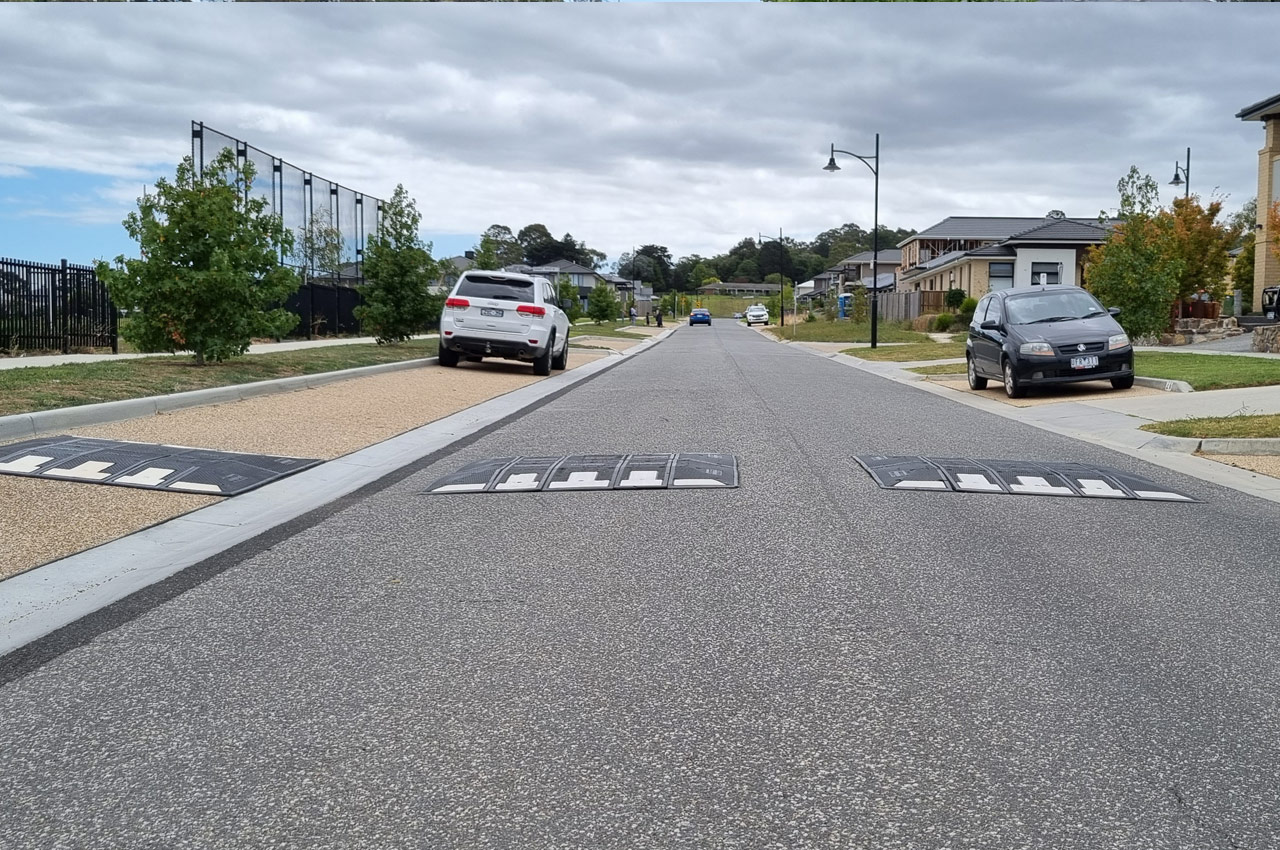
<point>45,520</point>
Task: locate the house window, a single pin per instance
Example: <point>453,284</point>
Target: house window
<point>1001,276</point>
<point>1049,270</point>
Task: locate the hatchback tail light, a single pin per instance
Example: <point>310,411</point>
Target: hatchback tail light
<point>457,303</point>
<point>531,310</point>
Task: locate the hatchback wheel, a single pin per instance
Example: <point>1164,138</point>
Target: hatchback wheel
<point>976,382</point>
<point>1125,383</point>
<point>1012,388</point>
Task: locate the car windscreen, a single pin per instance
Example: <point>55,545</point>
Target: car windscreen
<point>498,288</point>
<point>1047,307</point>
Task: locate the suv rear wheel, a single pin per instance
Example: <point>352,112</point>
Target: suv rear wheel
<point>542,363</point>
<point>561,361</point>
<point>447,357</point>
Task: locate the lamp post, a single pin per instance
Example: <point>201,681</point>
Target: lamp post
<point>875,227</point>
<point>782,309</point>
<point>1182,175</point>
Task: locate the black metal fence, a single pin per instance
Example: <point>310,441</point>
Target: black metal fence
<point>325,309</point>
<point>46,307</point>
<point>300,198</point>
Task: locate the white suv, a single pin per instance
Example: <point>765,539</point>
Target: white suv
<point>757,313</point>
<point>503,314</point>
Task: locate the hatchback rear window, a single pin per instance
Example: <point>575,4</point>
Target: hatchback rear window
<point>498,288</point>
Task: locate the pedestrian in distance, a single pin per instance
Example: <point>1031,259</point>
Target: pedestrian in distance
<point>659,318</point>
<point>633,314</point>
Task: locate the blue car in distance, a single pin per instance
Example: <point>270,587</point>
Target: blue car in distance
<point>700,316</point>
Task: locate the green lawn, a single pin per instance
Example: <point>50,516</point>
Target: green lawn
<point>612,329</point>
<point>1266,425</point>
<point>1207,372</point>
<point>33,388</point>
<point>821,331</point>
<point>913,351</point>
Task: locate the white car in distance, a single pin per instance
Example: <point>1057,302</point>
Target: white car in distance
<point>507,315</point>
<point>757,313</point>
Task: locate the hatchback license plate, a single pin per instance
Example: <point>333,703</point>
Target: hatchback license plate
<point>497,314</point>
<point>1089,362</point>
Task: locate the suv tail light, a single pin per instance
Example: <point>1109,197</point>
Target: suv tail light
<point>531,310</point>
<point>457,303</point>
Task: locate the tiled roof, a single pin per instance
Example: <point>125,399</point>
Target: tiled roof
<point>994,251</point>
<point>983,227</point>
<point>1261,110</point>
<point>890,256</point>
<point>1063,230</point>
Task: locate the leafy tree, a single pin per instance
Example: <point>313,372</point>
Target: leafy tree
<point>954,298</point>
<point>662,266</point>
<point>538,245</point>
<point>1242,272</point>
<point>398,272</point>
<point>210,276</point>
<point>602,303</point>
<point>508,251</point>
<point>1202,243</point>
<point>1244,220</point>
<point>567,292</point>
<point>487,254</point>
<point>320,250</point>
<point>748,270</point>
<point>701,275</point>
<point>860,309</point>
<point>1139,267</point>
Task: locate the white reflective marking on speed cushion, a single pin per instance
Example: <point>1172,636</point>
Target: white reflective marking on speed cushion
<point>195,487</point>
<point>1036,484</point>
<point>26,463</point>
<point>152,476</point>
<point>641,478</point>
<point>90,470</point>
<point>460,488</point>
<point>972,481</point>
<point>921,485</point>
<point>520,481</point>
<point>580,480</point>
<point>1161,494</point>
<point>1098,487</point>
<point>697,482</point>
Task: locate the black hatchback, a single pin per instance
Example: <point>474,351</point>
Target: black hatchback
<point>1033,337</point>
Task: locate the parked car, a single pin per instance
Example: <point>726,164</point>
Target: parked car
<point>700,316</point>
<point>1034,337</point>
<point>757,313</point>
<point>507,315</point>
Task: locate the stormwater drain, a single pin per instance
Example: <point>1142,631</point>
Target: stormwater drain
<point>684,470</point>
<point>149,466</point>
<point>1015,477</point>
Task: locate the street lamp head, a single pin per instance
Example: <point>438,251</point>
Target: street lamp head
<point>831,164</point>
<point>1177,176</point>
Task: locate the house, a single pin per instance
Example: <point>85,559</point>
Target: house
<point>452,268</point>
<point>739,288</point>
<point>1266,265</point>
<point>857,269</point>
<point>978,254</point>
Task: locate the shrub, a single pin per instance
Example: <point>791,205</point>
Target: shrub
<point>965,316</point>
<point>942,323</point>
<point>954,298</point>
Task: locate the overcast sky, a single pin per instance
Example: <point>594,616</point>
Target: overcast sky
<point>691,126</point>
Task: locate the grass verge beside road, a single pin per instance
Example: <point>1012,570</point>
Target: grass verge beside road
<point>34,388</point>
<point>912,351</point>
<point>610,329</point>
<point>846,332</point>
<point>1201,371</point>
<point>1214,427</point>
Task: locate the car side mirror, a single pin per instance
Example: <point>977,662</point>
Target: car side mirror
<point>990,325</point>
<point>1114,311</point>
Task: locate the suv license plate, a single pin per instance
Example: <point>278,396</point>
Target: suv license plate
<point>497,314</point>
<point>1089,362</point>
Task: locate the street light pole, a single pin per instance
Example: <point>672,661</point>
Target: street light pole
<point>1180,172</point>
<point>782,309</point>
<point>875,227</point>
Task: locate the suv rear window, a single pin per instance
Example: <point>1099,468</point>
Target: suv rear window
<point>498,288</point>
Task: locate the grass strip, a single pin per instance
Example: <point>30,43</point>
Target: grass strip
<point>1210,427</point>
<point>845,331</point>
<point>609,329</point>
<point>911,351</point>
<point>1207,371</point>
<point>33,388</point>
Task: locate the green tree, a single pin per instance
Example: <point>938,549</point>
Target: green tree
<point>860,310</point>
<point>701,275</point>
<point>747,270</point>
<point>506,247</point>
<point>320,250</point>
<point>487,254</point>
<point>567,293</point>
<point>954,298</point>
<point>1202,243</point>
<point>1137,269</point>
<point>1242,273</point>
<point>210,278</point>
<point>398,271</point>
<point>602,303</point>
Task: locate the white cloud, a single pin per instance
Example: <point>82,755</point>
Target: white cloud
<point>688,126</point>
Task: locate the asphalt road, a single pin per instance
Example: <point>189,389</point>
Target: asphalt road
<point>806,661</point>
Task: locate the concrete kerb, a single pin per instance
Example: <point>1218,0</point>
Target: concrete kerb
<point>42,600</point>
<point>23,425</point>
<point>1179,454</point>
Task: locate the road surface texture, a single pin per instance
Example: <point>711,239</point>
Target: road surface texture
<point>807,661</point>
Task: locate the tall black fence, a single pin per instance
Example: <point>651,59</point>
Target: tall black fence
<point>325,309</point>
<point>46,307</point>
